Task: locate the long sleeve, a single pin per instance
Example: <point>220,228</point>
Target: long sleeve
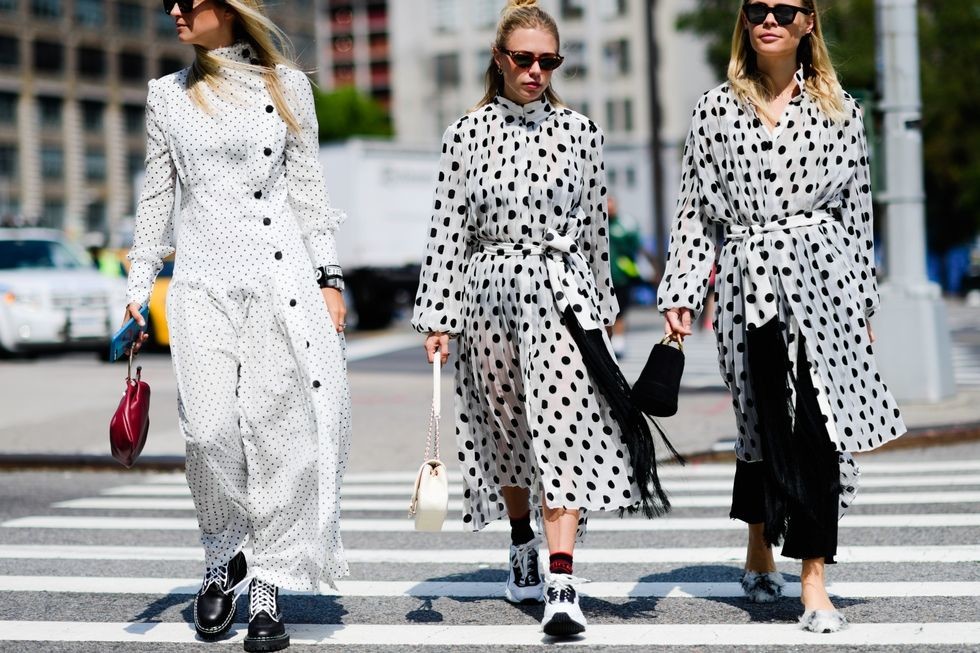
<point>858,218</point>
<point>308,198</point>
<point>154,231</point>
<point>596,223</point>
<point>691,252</point>
<point>439,302</point>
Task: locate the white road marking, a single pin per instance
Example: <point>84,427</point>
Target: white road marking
<point>370,347</point>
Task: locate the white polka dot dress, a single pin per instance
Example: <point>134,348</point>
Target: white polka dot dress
<point>795,205</point>
<point>264,403</point>
<point>518,234</point>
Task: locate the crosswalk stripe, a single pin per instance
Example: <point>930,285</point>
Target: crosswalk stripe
<point>476,589</point>
<point>676,486</point>
<point>403,525</point>
<point>723,634</point>
<point>456,505</point>
<point>586,555</point>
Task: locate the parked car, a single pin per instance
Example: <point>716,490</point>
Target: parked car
<point>157,329</point>
<point>52,297</point>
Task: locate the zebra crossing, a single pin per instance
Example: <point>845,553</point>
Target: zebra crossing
<point>672,581</point>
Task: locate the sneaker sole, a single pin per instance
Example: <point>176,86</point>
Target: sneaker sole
<point>527,600</point>
<point>561,625</point>
<point>265,644</point>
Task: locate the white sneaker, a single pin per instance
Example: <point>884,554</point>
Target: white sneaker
<point>524,579</point>
<point>562,615</point>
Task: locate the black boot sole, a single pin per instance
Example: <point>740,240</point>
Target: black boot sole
<point>211,635</point>
<point>561,625</point>
<point>265,644</point>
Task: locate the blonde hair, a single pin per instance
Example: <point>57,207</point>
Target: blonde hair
<point>270,47</point>
<point>518,14</point>
<point>754,88</point>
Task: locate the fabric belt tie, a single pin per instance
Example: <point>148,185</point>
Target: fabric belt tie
<point>566,265</point>
<point>757,255</point>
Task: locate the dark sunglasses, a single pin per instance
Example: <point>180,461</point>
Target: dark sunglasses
<point>547,61</point>
<point>185,6</point>
<point>756,13</point>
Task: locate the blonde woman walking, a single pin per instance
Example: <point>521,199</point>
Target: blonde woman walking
<point>517,266</point>
<point>254,308</point>
<point>777,156</point>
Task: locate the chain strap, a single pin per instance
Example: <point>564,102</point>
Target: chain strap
<point>434,413</point>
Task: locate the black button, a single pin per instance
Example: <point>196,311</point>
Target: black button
<point>267,221</point>
<point>268,108</point>
<point>278,256</point>
<point>258,194</point>
<point>267,151</point>
<point>246,53</point>
<point>292,302</point>
<point>254,62</point>
<point>307,344</point>
<point>316,384</point>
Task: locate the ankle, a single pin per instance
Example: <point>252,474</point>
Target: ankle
<point>560,562</point>
<point>520,530</point>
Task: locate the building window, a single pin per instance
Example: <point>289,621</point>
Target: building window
<point>8,6</point>
<point>447,69</point>
<point>95,165</point>
<point>630,177</point>
<point>52,162</point>
<point>575,62</point>
<point>613,8</point>
<point>95,217</point>
<point>164,24</point>
<point>170,65</point>
<point>8,162</point>
<point>628,114</point>
<point>611,122</point>
<point>617,57</point>
<point>46,8</point>
<point>445,15</point>
<point>129,17</point>
<point>343,75</point>
<point>92,113</point>
<point>8,108</point>
<point>49,111</point>
<point>134,119</point>
<point>134,163</point>
<point>583,107</point>
<point>48,57</point>
<point>572,9</point>
<point>91,63</point>
<point>132,66</point>
<point>9,51</point>
<point>612,176</point>
<point>90,13</point>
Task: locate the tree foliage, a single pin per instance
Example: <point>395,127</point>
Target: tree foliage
<point>949,48</point>
<point>346,112</point>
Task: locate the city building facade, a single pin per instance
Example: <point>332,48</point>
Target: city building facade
<point>354,47</point>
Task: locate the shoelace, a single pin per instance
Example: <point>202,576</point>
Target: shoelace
<point>562,586</point>
<point>523,555</point>
<point>217,575</point>
<point>262,596</point>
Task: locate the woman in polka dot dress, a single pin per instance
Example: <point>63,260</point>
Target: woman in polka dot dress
<point>517,267</point>
<point>257,346</point>
<point>777,156</point>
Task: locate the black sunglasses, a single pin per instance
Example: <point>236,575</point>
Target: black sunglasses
<point>521,59</point>
<point>185,6</point>
<point>756,13</point>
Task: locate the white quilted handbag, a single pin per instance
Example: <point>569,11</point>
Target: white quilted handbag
<point>430,498</point>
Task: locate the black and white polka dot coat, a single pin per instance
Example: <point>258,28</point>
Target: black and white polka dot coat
<point>252,222</point>
<point>795,204</point>
<point>520,206</point>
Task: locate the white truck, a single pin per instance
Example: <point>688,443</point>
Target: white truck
<point>386,189</point>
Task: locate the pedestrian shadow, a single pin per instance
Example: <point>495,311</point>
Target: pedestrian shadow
<point>427,613</point>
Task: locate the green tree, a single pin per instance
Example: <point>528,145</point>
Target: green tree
<point>346,112</point>
<point>949,49</point>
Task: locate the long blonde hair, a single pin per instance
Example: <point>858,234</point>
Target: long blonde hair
<point>518,14</point>
<point>754,88</point>
<point>270,47</point>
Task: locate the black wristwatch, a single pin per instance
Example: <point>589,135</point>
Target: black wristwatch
<point>330,276</point>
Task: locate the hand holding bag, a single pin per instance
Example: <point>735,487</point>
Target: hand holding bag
<point>430,498</point>
<point>655,391</point>
<point>131,421</point>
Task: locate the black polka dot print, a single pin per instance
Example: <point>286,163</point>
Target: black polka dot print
<point>518,229</point>
<point>264,403</point>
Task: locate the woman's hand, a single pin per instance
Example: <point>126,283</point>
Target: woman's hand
<point>336,307</point>
<point>437,341</point>
<point>133,311</point>
<point>678,321</point>
<point>871,334</point>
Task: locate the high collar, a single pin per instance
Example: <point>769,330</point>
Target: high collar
<point>238,52</point>
<point>533,112</point>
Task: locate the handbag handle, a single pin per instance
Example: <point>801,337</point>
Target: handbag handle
<point>675,338</point>
<point>434,413</point>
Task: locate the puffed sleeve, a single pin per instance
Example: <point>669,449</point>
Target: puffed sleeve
<point>691,251</point>
<point>307,192</point>
<point>596,222</point>
<point>858,216</point>
<point>439,301</point>
<point>154,230</point>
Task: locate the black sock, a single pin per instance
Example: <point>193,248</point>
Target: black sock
<point>561,563</point>
<point>520,530</point>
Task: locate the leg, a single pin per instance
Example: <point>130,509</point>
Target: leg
<point>813,586</point>
<point>560,527</point>
<point>516,500</point>
<point>761,582</point>
<point>524,578</point>
<point>562,615</point>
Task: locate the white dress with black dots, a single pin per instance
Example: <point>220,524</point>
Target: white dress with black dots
<point>795,204</point>
<point>264,404</point>
<point>518,234</point>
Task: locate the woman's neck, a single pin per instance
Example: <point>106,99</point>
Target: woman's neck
<point>780,70</point>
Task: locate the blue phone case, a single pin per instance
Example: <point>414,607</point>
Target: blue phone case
<point>127,335</point>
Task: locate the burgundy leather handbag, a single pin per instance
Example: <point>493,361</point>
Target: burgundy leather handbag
<point>131,421</point>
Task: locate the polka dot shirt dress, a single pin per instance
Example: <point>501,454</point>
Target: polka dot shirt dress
<point>264,404</point>
<point>795,206</point>
<point>518,234</point>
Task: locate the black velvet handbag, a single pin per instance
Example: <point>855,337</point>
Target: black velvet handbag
<point>655,391</point>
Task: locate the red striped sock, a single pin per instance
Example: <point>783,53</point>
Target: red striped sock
<point>561,563</point>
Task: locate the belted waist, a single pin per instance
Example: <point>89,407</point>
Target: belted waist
<point>798,221</point>
<point>554,243</point>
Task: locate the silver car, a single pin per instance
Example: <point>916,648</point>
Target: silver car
<point>51,296</point>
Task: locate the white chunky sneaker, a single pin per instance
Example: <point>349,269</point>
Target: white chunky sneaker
<point>562,615</point>
<point>524,578</point>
